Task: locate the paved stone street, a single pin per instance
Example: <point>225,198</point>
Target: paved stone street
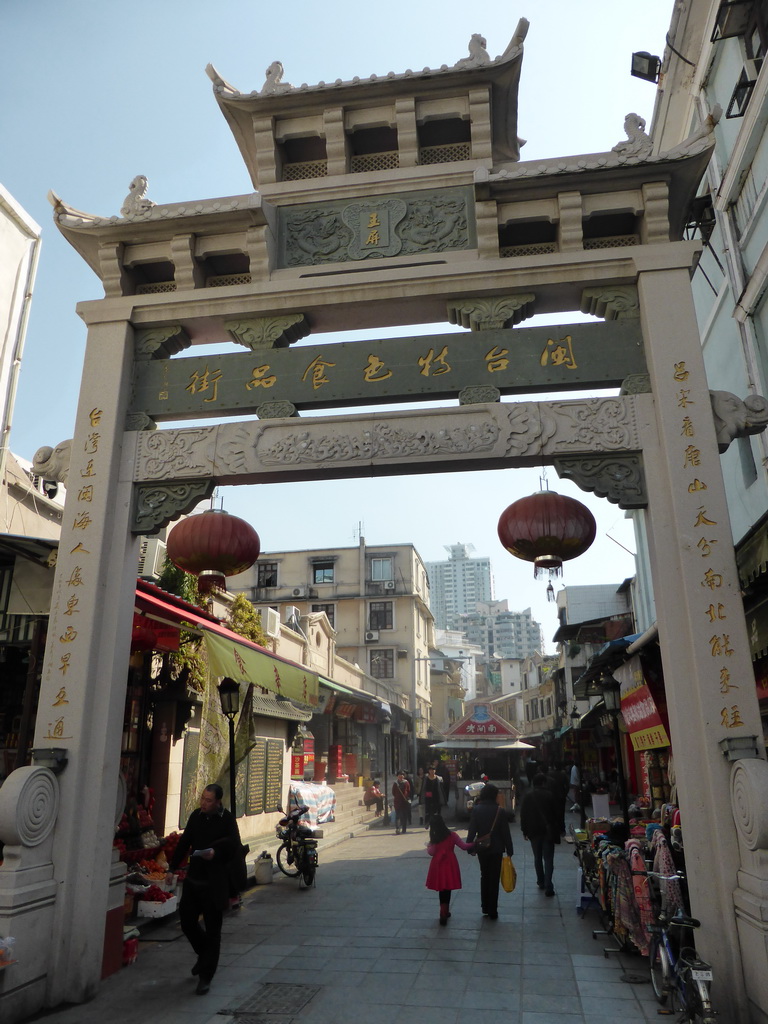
<point>365,946</point>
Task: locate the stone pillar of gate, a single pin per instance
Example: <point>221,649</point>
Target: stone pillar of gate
<point>82,693</point>
<point>710,689</point>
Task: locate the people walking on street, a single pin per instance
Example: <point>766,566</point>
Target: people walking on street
<point>418,787</point>
<point>575,788</point>
<point>540,825</point>
<point>488,819</point>
<point>432,798</point>
<point>212,839</point>
<point>444,874</point>
<point>558,782</point>
<point>401,798</point>
<point>444,774</point>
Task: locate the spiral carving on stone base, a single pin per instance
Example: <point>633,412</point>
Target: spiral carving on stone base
<point>29,804</point>
<point>749,801</point>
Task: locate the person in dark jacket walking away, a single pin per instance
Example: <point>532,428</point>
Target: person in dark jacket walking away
<point>540,825</point>
<point>401,797</point>
<point>489,818</point>
<point>444,874</point>
<point>431,795</point>
<point>212,840</point>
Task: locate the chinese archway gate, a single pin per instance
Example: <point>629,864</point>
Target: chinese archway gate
<point>442,224</point>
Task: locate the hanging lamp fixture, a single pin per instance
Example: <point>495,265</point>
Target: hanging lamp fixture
<point>212,546</point>
<point>547,529</point>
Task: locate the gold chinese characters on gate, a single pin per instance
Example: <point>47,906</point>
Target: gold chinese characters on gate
<point>706,528</point>
<point>204,379</point>
<point>80,575</point>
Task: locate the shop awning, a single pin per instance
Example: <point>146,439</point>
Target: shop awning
<point>230,654</point>
<point>480,743</point>
<point>351,691</point>
<point>607,658</point>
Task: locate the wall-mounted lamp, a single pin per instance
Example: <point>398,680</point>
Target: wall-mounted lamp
<point>646,66</point>
<point>54,758</point>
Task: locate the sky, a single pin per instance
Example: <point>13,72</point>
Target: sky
<point>94,92</point>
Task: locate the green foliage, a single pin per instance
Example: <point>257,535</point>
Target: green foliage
<point>183,584</point>
<point>245,620</point>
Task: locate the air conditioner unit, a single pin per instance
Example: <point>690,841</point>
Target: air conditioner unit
<point>151,558</point>
<point>371,636</point>
<point>299,592</point>
<point>290,612</point>
<point>272,622</point>
<point>389,584</point>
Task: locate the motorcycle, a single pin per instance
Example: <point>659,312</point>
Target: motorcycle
<point>297,854</point>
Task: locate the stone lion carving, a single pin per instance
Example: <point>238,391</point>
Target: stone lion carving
<point>274,81</point>
<point>478,54</point>
<point>53,463</point>
<point>135,202</point>
<point>736,418</point>
<point>637,142</point>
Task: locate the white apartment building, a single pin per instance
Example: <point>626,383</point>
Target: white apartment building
<point>458,584</point>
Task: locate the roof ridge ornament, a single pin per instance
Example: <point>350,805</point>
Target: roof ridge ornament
<point>274,84</point>
<point>135,202</point>
<point>636,142</point>
<point>274,81</point>
<point>478,55</point>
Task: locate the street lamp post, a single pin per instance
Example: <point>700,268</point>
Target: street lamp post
<point>229,695</point>
<point>612,696</point>
<point>386,729</point>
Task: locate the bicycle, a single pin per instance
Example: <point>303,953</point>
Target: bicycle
<point>679,978</point>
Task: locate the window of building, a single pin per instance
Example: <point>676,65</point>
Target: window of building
<point>266,574</point>
<point>330,611</point>
<point>383,664</point>
<point>380,615</point>
<point>381,569</point>
<point>322,572</point>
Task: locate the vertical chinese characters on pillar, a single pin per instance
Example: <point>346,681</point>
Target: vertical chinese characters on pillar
<point>705,528</point>
<point>80,575</point>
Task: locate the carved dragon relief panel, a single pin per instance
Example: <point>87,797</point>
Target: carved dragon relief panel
<point>514,434</point>
<point>408,224</point>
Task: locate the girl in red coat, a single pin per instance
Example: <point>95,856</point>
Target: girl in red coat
<point>444,874</point>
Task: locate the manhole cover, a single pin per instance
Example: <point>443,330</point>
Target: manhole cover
<point>272,998</point>
<point>263,1018</point>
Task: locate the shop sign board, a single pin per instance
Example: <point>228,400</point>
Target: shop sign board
<point>639,710</point>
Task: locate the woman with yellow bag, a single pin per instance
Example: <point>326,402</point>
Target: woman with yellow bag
<point>489,830</point>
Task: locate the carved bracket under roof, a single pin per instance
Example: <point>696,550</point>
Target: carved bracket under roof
<point>636,384</point>
<point>157,505</point>
<point>619,478</point>
<point>490,314</point>
<point>479,395</point>
<point>617,302</point>
<point>139,421</point>
<point>268,331</point>
<point>161,342</point>
<point>276,410</point>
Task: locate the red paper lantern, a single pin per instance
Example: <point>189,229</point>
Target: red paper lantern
<point>547,529</point>
<point>212,546</point>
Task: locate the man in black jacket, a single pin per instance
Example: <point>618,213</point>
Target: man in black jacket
<point>212,840</point>
<point>540,824</point>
